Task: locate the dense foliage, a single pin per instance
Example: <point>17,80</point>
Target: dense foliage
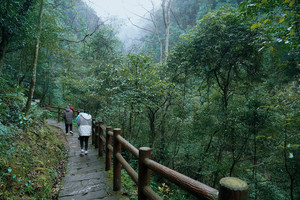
<point>224,101</point>
<point>32,155</point>
<point>32,163</point>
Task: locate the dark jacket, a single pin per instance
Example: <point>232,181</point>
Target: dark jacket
<point>68,116</point>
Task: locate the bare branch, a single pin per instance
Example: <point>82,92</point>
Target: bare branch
<point>176,20</point>
<point>86,36</point>
<point>140,16</point>
<point>139,26</point>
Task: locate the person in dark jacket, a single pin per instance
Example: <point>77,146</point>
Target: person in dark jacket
<point>72,108</point>
<point>68,117</point>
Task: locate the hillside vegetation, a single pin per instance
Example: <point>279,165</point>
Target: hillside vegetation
<point>32,154</point>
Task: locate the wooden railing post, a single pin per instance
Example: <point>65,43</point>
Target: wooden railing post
<point>107,151</point>
<point>58,120</point>
<point>93,130</point>
<point>96,135</point>
<point>232,188</point>
<point>100,141</point>
<point>144,172</point>
<point>117,163</point>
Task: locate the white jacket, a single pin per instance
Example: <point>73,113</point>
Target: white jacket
<point>84,122</point>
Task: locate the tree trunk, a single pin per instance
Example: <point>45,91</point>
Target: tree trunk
<point>166,11</point>
<point>290,174</point>
<point>163,141</point>
<point>3,45</point>
<point>152,118</point>
<point>254,164</point>
<point>36,55</point>
<point>130,119</point>
<point>154,21</point>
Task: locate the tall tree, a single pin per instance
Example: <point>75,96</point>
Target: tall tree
<point>13,20</point>
<point>166,12</point>
<point>35,60</point>
<point>221,50</point>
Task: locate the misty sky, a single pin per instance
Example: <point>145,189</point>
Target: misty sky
<point>124,9</point>
<point>121,8</point>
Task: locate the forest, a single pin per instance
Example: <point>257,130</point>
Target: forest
<point>212,86</point>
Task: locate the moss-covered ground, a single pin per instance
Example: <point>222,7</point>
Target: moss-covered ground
<point>32,162</point>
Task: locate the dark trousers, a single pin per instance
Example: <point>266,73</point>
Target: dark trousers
<point>84,139</point>
<point>67,127</point>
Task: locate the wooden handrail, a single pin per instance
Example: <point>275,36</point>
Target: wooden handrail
<point>230,188</point>
<point>128,168</point>
<point>151,194</point>
<point>58,111</point>
<point>128,146</point>
<point>192,186</point>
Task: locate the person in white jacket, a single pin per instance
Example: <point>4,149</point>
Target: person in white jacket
<point>84,122</point>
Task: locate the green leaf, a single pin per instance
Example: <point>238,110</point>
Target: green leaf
<point>255,25</point>
<point>291,32</point>
<point>295,145</point>
<point>281,20</point>
<point>288,119</point>
<point>291,4</point>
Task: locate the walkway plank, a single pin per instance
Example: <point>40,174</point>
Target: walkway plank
<point>86,178</point>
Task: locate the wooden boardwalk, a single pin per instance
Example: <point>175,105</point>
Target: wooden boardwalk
<point>86,177</point>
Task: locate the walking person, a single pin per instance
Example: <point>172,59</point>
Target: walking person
<point>84,122</point>
<point>68,117</point>
<point>72,108</point>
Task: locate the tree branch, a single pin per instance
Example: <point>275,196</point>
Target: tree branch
<point>140,27</point>
<point>176,20</point>
<point>86,36</point>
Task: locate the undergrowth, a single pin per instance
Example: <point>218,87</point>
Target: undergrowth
<point>31,164</point>
<point>32,155</point>
<point>164,190</point>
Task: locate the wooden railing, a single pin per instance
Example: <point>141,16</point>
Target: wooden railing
<point>59,111</point>
<point>110,142</point>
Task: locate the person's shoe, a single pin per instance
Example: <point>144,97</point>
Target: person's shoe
<point>86,152</point>
<point>82,151</point>
<point>67,133</point>
<point>71,132</point>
